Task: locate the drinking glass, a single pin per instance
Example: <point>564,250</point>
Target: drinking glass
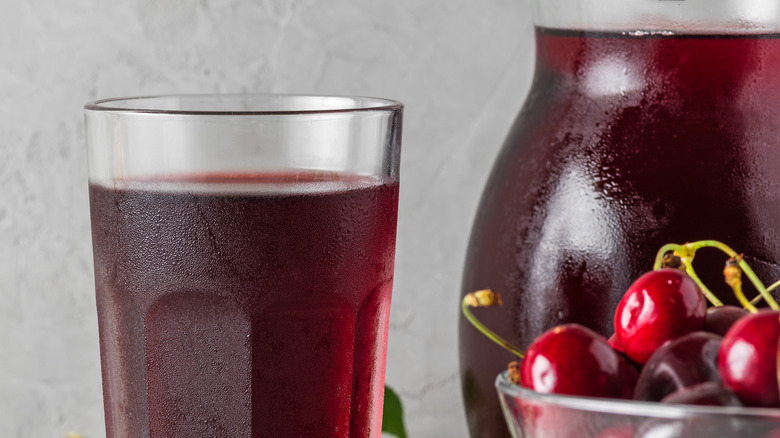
<point>243,251</point>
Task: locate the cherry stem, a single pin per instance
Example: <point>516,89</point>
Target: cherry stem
<point>686,253</point>
<point>742,264</point>
<point>733,275</point>
<point>758,298</point>
<point>485,298</point>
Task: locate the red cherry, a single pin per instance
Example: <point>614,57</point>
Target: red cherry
<point>659,306</point>
<point>574,360</point>
<point>748,358</point>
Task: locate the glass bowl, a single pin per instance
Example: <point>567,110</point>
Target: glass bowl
<point>530,414</point>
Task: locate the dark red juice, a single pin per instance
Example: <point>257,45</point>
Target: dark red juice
<point>238,306</point>
<point>627,141</point>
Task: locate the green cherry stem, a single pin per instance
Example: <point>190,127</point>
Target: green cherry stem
<point>747,305</point>
<point>688,250</point>
<point>733,276</point>
<point>743,265</point>
<point>485,298</point>
<point>758,298</point>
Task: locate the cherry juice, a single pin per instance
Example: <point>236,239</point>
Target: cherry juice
<point>627,141</point>
<point>244,306</point>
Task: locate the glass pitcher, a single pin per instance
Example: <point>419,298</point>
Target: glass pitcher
<point>647,122</point>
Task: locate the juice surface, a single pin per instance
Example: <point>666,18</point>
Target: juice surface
<point>627,141</point>
<point>244,305</point>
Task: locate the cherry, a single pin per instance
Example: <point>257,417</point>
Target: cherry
<point>706,426</point>
<point>682,362</point>
<point>720,319</point>
<point>659,306</point>
<point>704,394</point>
<point>574,360</point>
<point>630,377</point>
<point>542,419</point>
<point>748,358</point>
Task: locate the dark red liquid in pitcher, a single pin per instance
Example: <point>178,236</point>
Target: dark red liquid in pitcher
<point>238,306</point>
<point>627,141</point>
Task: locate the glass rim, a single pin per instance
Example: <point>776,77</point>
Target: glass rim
<point>369,104</point>
<point>627,407</point>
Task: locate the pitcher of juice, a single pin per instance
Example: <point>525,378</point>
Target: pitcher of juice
<point>648,122</point>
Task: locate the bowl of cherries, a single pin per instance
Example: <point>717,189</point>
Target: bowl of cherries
<point>679,363</point>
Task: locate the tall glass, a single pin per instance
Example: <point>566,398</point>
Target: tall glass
<point>243,249</point>
<point>647,122</point>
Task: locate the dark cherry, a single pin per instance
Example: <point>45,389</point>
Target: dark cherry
<point>748,359</point>
<point>574,360</point>
<point>708,426</point>
<point>685,361</point>
<point>704,394</point>
<point>659,306</point>
<point>630,377</point>
<point>720,319</point>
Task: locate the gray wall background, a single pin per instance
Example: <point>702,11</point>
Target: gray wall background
<point>462,67</point>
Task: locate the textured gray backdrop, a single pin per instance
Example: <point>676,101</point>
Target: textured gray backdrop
<point>462,67</point>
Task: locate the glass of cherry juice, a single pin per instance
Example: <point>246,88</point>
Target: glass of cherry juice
<point>243,250</point>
